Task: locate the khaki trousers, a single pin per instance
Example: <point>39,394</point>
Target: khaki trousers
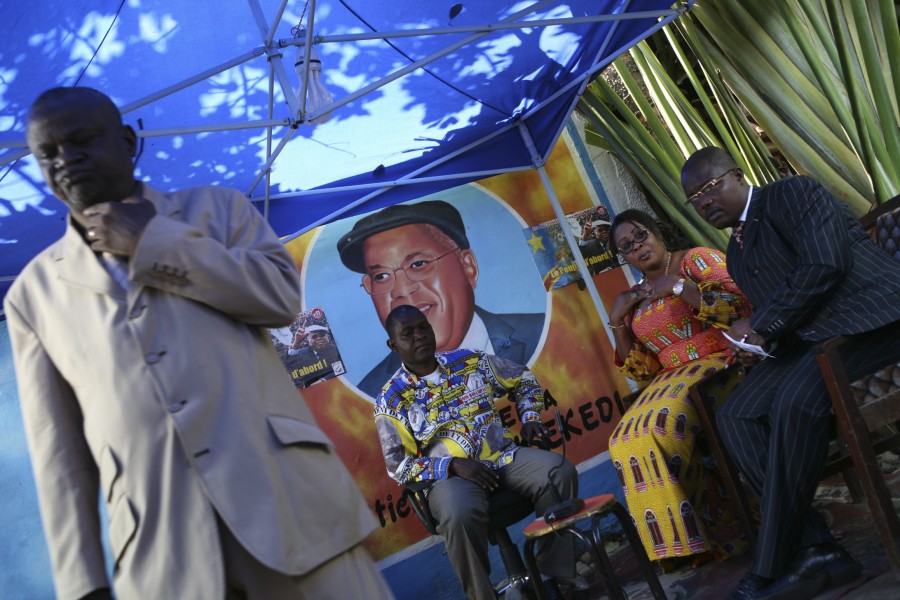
<point>460,508</point>
<point>348,576</point>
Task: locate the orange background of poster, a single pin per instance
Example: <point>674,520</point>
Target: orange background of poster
<point>575,364</point>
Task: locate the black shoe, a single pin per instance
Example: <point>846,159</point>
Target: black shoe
<point>815,569</point>
<point>750,587</point>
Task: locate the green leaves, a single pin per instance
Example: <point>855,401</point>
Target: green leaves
<point>815,75</point>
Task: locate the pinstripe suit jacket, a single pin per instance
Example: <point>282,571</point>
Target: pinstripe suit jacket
<point>809,268</point>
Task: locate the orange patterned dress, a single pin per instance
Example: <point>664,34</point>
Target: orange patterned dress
<point>677,504</point>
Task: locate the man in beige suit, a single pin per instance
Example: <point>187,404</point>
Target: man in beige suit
<point>146,373</point>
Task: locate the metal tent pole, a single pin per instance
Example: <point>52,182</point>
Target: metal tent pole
<point>275,57</point>
<point>585,79</point>
<point>489,27</point>
<point>268,169</point>
<point>567,232</point>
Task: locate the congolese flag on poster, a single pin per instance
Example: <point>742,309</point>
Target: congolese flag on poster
<point>552,255</point>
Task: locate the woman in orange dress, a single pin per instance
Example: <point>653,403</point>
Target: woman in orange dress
<point>668,330</point>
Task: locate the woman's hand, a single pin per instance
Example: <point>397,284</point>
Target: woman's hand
<point>626,302</point>
<point>663,287</point>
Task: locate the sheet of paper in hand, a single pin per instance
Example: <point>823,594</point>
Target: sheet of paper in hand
<point>748,347</point>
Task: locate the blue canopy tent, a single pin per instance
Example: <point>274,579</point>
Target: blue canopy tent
<point>426,96</point>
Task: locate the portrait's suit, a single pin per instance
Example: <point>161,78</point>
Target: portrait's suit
<point>513,336</point>
<point>811,272</point>
<point>169,398</point>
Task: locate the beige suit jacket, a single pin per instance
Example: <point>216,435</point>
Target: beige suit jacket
<point>170,399</point>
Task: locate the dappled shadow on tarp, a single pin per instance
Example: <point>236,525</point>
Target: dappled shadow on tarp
<point>135,48</point>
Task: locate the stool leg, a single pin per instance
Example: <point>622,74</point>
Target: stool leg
<point>637,547</point>
<point>533,572</point>
<point>601,559</point>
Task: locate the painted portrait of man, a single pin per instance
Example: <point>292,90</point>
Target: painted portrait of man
<point>419,254</point>
<point>423,253</point>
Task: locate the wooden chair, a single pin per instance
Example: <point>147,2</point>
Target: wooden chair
<point>867,416</point>
<point>594,510</point>
<point>871,404</point>
<point>706,395</point>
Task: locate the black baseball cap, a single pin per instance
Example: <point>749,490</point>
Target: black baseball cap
<point>439,213</point>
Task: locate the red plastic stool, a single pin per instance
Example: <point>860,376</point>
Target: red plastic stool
<point>594,509</point>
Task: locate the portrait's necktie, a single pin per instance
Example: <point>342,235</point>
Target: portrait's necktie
<point>738,233</point>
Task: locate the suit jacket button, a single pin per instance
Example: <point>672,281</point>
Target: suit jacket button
<point>153,357</point>
<point>177,405</point>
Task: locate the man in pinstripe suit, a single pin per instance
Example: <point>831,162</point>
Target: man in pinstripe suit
<point>811,272</point>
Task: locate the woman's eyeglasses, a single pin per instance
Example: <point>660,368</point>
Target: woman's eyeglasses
<point>637,237</point>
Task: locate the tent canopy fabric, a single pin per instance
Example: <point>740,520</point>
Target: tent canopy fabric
<point>426,95</point>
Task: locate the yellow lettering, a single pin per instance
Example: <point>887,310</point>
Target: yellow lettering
<point>322,364</point>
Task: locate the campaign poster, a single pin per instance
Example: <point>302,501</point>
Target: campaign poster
<point>308,350</point>
<point>458,255</point>
<point>552,255</point>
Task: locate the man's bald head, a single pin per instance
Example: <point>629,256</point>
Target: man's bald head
<point>84,151</point>
<point>400,313</point>
<point>58,96</point>
<point>712,158</point>
<point>715,186</point>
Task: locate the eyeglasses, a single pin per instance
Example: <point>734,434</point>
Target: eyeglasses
<point>381,281</point>
<point>637,237</point>
<point>708,188</point>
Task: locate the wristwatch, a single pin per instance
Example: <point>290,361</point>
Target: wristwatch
<point>678,287</point>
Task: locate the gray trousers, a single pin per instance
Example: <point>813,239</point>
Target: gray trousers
<point>460,508</point>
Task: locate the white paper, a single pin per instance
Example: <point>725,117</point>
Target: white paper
<point>748,347</point>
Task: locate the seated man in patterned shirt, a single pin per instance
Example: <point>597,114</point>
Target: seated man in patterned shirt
<point>437,422</point>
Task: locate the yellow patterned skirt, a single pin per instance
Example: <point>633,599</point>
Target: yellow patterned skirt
<point>679,506</point>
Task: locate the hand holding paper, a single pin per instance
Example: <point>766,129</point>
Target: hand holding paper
<point>755,349</point>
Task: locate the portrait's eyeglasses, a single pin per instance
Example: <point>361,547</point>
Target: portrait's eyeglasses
<point>708,188</point>
<point>382,281</point>
<point>637,237</point>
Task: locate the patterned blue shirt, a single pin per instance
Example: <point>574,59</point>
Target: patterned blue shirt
<point>423,425</point>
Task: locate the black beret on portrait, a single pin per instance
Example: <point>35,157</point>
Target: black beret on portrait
<point>434,212</point>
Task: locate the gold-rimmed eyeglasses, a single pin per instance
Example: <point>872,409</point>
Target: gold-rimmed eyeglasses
<point>382,280</point>
<point>708,188</point>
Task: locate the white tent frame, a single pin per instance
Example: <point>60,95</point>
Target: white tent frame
<point>274,50</point>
